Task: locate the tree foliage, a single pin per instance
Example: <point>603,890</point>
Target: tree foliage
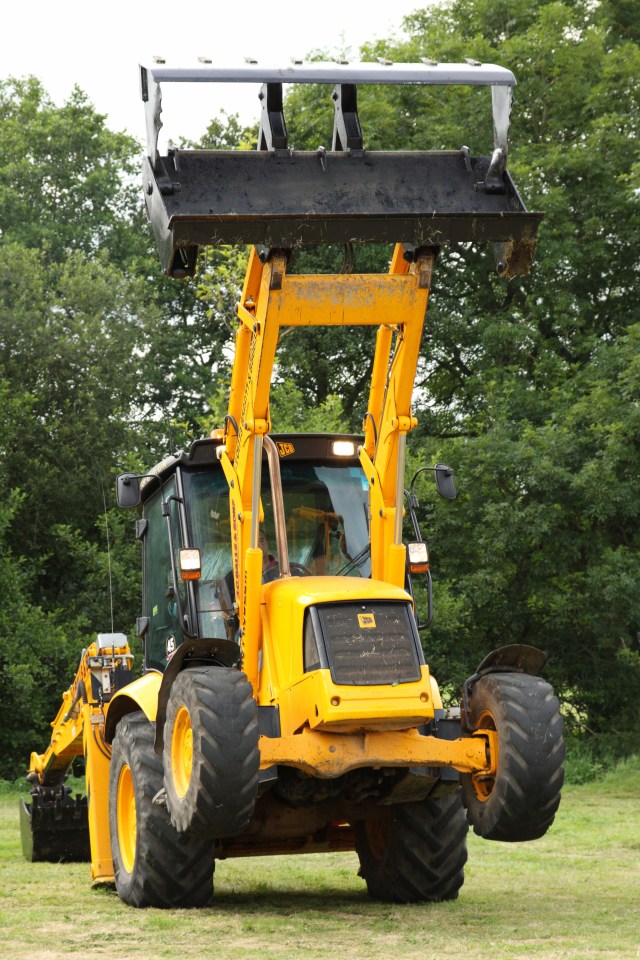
<point>528,388</point>
<point>531,387</point>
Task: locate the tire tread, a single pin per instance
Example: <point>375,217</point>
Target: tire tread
<point>170,870</point>
<point>526,793</point>
<point>221,797</point>
<point>425,856</point>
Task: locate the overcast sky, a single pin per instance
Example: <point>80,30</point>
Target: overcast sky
<point>98,45</point>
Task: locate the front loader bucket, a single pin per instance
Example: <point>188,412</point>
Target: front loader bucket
<point>54,826</point>
<point>276,197</point>
<point>423,199</point>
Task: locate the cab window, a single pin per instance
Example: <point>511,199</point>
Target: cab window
<point>161,607</point>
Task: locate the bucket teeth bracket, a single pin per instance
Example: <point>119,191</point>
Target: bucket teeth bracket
<point>347,133</point>
<point>273,129</point>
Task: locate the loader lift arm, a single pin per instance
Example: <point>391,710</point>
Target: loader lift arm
<point>396,303</point>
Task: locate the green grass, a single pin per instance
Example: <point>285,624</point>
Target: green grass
<point>574,894</point>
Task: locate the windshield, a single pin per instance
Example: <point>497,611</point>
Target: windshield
<point>326,511</point>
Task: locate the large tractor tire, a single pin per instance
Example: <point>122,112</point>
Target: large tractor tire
<point>154,865</point>
<point>416,853</point>
<point>211,757</point>
<point>519,801</point>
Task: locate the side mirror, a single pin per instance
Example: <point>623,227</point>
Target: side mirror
<point>128,490</point>
<point>445,484</point>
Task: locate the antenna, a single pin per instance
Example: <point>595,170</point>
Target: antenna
<point>106,523</point>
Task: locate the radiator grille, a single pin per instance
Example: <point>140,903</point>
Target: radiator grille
<point>369,643</point>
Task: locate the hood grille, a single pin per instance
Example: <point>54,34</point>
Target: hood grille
<point>369,643</point>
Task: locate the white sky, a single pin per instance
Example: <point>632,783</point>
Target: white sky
<point>98,45</point>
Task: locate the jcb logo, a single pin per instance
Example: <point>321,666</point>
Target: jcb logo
<point>285,449</point>
<point>366,620</point>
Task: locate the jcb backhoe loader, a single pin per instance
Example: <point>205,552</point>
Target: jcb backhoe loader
<point>285,704</point>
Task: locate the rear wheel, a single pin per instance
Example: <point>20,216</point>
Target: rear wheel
<point>415,853</point>
<point>518,801</point>
<point>211,757</point>
<point>154,866</point>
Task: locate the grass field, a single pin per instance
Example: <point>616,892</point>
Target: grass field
<point>576,894</point>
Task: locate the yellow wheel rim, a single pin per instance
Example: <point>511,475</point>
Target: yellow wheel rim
<point>182,751</point>
<point>127,822</point>
<point>484,783</point>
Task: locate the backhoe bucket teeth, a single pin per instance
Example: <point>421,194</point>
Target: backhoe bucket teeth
<point>276,197</point>
<point>54,826</point>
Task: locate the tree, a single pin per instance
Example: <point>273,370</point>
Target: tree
<point>34,652</point>
<point>66,180</point>
<point>521,383</point>
<point>530,388</point>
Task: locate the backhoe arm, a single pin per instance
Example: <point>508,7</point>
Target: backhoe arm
<point>54,826</point>
<point>82,708</point>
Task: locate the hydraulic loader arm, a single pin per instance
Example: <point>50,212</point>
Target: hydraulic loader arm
<point>271,300</point>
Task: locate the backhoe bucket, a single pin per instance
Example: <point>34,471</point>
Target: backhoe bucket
<point>280,198</point>
<point>54,827</point>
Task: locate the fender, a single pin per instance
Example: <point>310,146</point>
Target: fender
<point>142,694</point>
<point>514,658</point>
<point>150,692</point>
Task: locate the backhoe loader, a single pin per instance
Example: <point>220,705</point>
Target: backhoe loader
<point>285,704</point>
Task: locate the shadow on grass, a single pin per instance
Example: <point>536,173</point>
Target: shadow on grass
<point>269,900</point>
<point>265,899</point>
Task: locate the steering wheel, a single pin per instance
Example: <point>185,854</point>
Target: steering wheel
<point>297,570</point>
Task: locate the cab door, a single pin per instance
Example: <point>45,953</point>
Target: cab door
<point>160,603</point>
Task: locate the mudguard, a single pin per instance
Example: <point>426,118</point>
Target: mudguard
<point>142,694</point>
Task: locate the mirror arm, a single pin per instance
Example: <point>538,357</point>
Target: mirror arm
<point>427,622</point>
<point>412,505</point>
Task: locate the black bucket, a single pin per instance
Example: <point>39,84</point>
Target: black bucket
<point>54,827</point>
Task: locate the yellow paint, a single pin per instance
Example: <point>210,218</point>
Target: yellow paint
<point>97,755</point>
<point>329,755</point>
<point>182,751</point>
<point>271,300</point>
<point>317,702</point>
<point>142,694</point>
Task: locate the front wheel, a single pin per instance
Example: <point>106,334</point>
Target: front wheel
<point>518,801</point>
<point>211,758</point>
<point>154,866</point>
<point>415,852</point>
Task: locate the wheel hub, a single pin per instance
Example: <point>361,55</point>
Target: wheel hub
<point>182,751</point>
<point>127,822</point>
<point>485,780</point>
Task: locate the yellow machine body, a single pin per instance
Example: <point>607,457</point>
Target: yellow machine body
<point>326,729</point>
<point>348,719</point>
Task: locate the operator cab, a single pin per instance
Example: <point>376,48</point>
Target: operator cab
<point>185,506</point>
